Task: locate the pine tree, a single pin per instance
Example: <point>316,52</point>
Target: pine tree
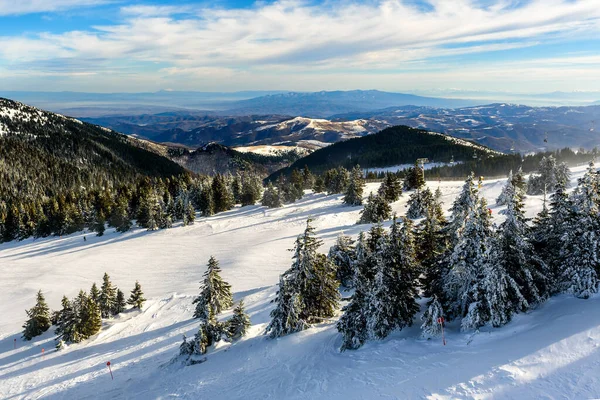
<point>95,293</point>
<point>432,327</point>
<point>271,197</point>
<point>239,323</point>
<point>120,216</point>
<point>307,291</point>
<point>136,299</point>
<point>251,190</point>
<point>507,190</point>
<point>419,202</point>
<point>222,197</point>
<point>391,188</point>
<point>108,297</point>
<point>39,318</point>
<point>66,324</point>
<point>463,204</point>
<point>342,255</point>
<point>206,203</point>
<point>319,185</point>
<point>581,243</point>
<point>189,214</point>
<point>215,294</point>
<point>415,178</point>
<point>394,292</point>
<point>376,210</point>
<point>307,178</point>
<point>354,190</point>
<point>100,224</point>
<point>120,303</point>
<point>90,318</point>
<point>285,317</point>
<point>466,260</point>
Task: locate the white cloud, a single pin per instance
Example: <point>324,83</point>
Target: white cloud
<point>297,41</point>
<point>18,7</point>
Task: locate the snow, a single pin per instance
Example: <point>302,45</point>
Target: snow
<point>268,149</point>
<point>552,352</point>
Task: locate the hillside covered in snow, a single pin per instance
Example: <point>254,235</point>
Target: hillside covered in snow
<point>550,352</point>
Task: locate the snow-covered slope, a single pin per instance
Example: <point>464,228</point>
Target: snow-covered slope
<point>553,352</point>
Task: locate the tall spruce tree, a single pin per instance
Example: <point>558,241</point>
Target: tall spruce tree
<point>215,294</point>
<point>418,203</point>
<point>376,210</point>
<point>391,188</point>
<point>354,190</point>
<point>271,197</point>
<point>39,318</point>
<point>120,303</point>
<point>107,298</point>
<point>239,323</point>
<point>342,255</point>
<point>136,299</point>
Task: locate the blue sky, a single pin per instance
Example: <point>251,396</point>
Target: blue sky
<point>520,46</point>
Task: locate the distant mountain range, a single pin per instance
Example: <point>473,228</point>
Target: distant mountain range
<point>504,127</point>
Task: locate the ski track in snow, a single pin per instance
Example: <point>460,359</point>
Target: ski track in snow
<point>552,352</point>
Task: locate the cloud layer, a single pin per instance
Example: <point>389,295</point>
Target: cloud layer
<point>300,45</point>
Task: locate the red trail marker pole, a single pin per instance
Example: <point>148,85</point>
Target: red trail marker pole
<point>441,322</point>
<point>110,370</point>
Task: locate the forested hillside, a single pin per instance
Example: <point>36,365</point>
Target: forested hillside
<point>392,146</point>
<point>43,154</point>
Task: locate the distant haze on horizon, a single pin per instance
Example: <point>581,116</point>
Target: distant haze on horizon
<point>425,47</point>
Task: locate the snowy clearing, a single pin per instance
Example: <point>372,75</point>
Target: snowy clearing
<point>553,352</point>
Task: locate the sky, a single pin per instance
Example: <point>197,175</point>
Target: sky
<point>520,46</point>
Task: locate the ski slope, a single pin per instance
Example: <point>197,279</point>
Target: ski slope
<point>552,352</point>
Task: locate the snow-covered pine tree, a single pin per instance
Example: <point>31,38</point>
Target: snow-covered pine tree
<point>271,197</point>
<point>463,204</point>
<point>513,253</point>
<point>342,255</point>
<point>120,303</point>
<point>239,323</point>
<point>189,214</point>
<point>391,188</point>
<point>136,299</point>
<point>506,190</point>
<point>581,261</point>
<point>313,276</point>
<point>251,190</point>
<point>66,328</point>
<point>431,326</point>
<point>107,298</point>
<point>285,317</point>
<point>418,203</point>
<point>394,292</point>
<point>215,294</point>
<point>39,318</point>
<point>466,259</point>
<point>376,210</point>
<point>432,244</point>
<point>99,223</point>
<point>353,322</point>
<point>307,178</point>
<point>354,190</point>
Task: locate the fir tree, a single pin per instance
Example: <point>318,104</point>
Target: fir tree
<point>100,224</point>
<point>466,259</point>
<point>215,293</point>
<point>120,303</point>
<point>206,203</point>
<point>251,190</point>
<point>136,299</point>
<point>66,329</point>
<point>354,190</point>
<point>271,197</point>
<point>319,185</point>
<point>221,194</point>
<point>419,202</point>
<point>307,178</point>
<point>107,298</point>
<point>432,326</point>
<point>506,192</point>
<point>120,216</point>
<point>239,323</point>
<point>391,188</point>
<point>376,210</point>
<point>88,320</point>
<point>95,293</point>
<point>342,255</point>
<point>307,291</point>
<point>415,178</point>
<point>39,318</point>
